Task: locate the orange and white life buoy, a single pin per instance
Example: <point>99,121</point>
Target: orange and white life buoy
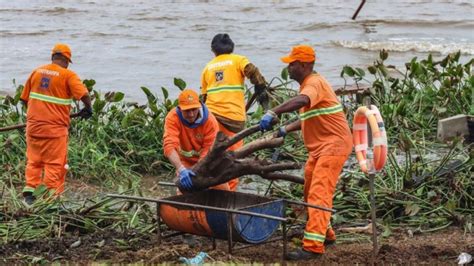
<point>372,116</point>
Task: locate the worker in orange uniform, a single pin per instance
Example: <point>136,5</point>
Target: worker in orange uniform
<point>190,131</point>
<point>48,95</point>
<point>223,90</point>
<point>327,138</point>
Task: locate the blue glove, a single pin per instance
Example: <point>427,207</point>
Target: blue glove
<point>266,121</point>
<point>281,132</point>
<point>185,180</point>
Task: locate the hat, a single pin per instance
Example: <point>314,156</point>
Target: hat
<point>302,53</point>
<point>61,48</point>
<point>188,99</point>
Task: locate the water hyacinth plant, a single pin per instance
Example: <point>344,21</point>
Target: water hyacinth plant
<point>425,185</point>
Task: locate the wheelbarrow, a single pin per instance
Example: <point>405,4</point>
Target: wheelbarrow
<point>245,228</point>
<point>227,215</point>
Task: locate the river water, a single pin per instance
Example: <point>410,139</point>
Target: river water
<point>125,44</point>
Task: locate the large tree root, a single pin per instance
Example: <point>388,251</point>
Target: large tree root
<point>221,165</point>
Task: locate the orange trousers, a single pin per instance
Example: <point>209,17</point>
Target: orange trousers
<point>234,182</point>
<point>321,176</point>
<point>47,158</point>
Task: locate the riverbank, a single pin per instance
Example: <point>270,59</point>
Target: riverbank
<point>400,248</point>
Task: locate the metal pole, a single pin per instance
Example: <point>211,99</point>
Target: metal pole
<point>283,226</point>
<point>371,175</point>
<point>358,10</point>
<point>158,222</point>
<point>214,245</point>
<point>375,247</point>
<point>229,232</point>
<point>310,205</point>
<point>198,206</point>
<point>166,184</point>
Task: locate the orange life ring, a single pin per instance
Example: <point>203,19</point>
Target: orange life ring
<point>372,116</point>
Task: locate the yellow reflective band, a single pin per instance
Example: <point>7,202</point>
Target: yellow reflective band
<point>314,237</point>
<point>321,111</point>
<point>189,154</point>
<point>28,189</point>
<point>50,99</point>
<point>226,88</point>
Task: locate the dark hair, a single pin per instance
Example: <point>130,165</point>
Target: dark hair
<point>59,56</point>
<point>222,44</point>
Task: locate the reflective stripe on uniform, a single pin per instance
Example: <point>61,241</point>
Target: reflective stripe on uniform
<point>226,88</point>
<point>189,154</point>
<point>28,189</point>
<point>321,111</point>
<point>314,237</point>
<point>50,99</point>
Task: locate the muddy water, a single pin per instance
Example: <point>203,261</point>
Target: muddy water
<point>127,44</point>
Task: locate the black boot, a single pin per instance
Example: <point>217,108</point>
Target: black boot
<point>28,198</point>
<point>301,254</point>
<point>190,240</point>
<point>329,242</point>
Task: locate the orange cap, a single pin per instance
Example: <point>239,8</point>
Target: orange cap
<point>302,53</point>
<point>188,99</point>
<point>61,48</point>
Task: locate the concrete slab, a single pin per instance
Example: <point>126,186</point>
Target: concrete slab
<point>454,126</point>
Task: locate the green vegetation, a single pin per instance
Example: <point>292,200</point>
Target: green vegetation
<point>123,141</point>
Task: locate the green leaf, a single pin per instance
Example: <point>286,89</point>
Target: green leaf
<point>98,105</point>
<point>154,108</point>
<point>383,54</point>
<point>348,71</point>
<point>387,231</point>
<point>179,83</point>
<point>446,61</point>
<point>89,83</point>
<point>284,73</point>
<point>457,56</point>
<point>360,72</point>
<point>168,104</point>
<point>165,92</point>
<point>372,70</point>
<point>384,70</point>
<point>17,97</point>
<point>450,205</point>
<point>412,209</point>
<point>118,96</point>
<point>38,260</point>
<point>441,110</point>
<point>121,242</point>
<point>430,59</point>
<point>431,194</point>
<point>149,95</point>
<point>109,96</point>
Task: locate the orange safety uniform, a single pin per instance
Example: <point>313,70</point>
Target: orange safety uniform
<point>222,80</point>
<point>328,139</point>
<point>49,92</point>
<point>192,144</point>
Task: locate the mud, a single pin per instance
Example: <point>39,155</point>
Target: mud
<point>112,247</point>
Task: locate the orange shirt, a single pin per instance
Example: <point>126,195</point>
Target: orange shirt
<point>222,80</point>
<point>49,92</point>
<point>192,144</point>
<point>323,123</point>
